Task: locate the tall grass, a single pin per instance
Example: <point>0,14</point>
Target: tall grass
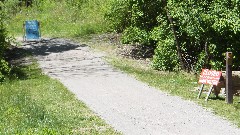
<point>60,19</point>
<point>36,104</point>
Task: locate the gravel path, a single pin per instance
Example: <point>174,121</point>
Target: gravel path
<point>130,106</point>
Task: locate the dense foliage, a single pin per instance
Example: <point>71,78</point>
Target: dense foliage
<point>4,44</point>
<point>188,35</point>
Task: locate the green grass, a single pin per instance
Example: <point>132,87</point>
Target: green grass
<point>58,19</point>
<point>35,104</point>
<point>179,84</point>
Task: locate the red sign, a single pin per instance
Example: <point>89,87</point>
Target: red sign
<point>209,77</point>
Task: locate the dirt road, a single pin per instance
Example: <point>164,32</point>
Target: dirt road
<point>130,106</point>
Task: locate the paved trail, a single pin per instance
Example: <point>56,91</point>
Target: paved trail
<point>130,106</point>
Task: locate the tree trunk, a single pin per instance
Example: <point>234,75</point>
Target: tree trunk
<point>174,30</point>
<point>28,3</point>
<point>207,56</point>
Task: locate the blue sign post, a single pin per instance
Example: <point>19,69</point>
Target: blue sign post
<point>32,30</point>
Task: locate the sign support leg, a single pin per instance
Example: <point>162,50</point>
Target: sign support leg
<point>209,92</point>
<point>200,91</point>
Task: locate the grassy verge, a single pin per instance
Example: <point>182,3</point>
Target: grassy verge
<point>179,84</point>
<point>61,19</point>
<point>32,103</point>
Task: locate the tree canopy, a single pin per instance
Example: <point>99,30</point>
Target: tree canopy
<point>188,35</point>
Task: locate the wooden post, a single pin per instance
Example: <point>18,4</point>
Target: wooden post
<point>229,90</point>
<point>24,32</point>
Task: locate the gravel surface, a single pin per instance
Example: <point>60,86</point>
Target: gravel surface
<point>130,106</point>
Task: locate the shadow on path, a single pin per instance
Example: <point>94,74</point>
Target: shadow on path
<point>51,45</point>
<point>18,56</point>
<point>68,59</point>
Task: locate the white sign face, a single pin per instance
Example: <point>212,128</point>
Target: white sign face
<point>210,77</point>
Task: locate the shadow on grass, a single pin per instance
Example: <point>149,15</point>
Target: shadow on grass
<point>217,98</point>
<point>20,64</point>
<point>24,72</point>
<point>14,54</point>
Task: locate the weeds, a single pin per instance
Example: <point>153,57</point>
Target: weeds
<point>59,19</point>
<point>32,103</point>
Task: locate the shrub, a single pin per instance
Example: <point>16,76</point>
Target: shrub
<point>202,31</point>
<point>4,44</point>
<point>119,15</point>
<point>165,57</point>
<point>134,35</point>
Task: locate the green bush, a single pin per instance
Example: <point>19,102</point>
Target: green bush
<point>4,44</point>
<point>165,57</point>
<point>135,35</point>
<point>119,15</point>
<point>202,31</point>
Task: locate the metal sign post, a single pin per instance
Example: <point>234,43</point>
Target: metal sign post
<point>229,88</point>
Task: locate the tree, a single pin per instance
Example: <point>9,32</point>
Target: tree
<point>188,34</point>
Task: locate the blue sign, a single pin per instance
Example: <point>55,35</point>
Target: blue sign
<point>32,30</point>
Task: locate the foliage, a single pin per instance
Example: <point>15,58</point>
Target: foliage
<point>202,30</point>
<point>63,18</point>
<point>119,15</point>
<point>134,35</point>
<point>33,103</point>
<point>4,44</point>
<point>165,53</point>
<point>135,18</point>
<point>206,27</point>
